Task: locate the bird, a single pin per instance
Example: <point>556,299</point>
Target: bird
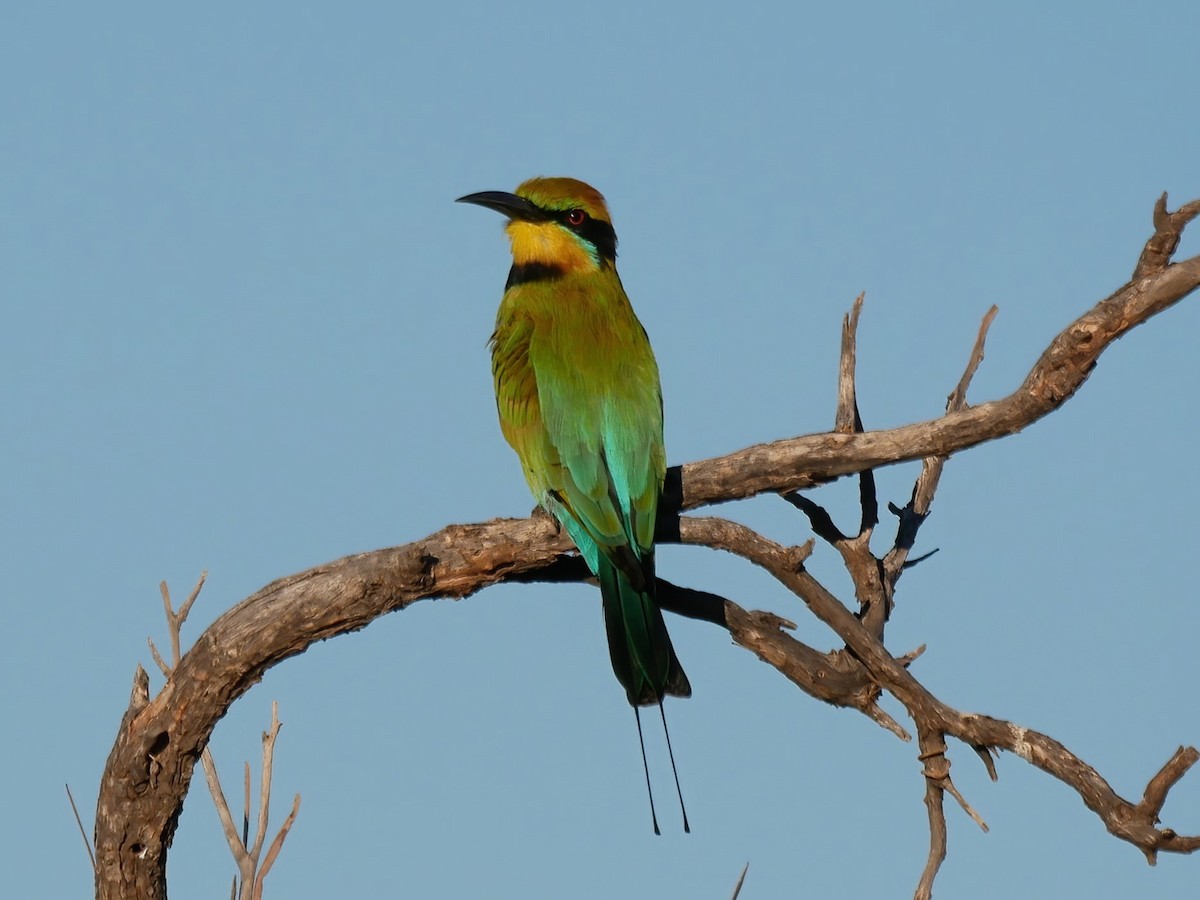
<point>580,401</point>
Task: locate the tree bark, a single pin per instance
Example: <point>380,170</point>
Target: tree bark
<point>160,738</point>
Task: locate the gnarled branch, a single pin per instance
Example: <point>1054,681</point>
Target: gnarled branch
<point>160,739</point>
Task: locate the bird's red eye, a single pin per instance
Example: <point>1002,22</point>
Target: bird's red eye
<point>575,217</point>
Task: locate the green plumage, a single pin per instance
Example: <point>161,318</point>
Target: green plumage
<point>578,395</point>
<point>577,391</point>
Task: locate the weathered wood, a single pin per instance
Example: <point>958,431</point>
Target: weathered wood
<point>160,739</point>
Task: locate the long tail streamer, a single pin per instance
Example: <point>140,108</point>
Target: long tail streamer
<point>646,768</point>
<point>686,828</point>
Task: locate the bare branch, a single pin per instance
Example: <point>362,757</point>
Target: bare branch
<point>175,620</point>
<point>737,888</point>
<point>187,605</point>
<point>264,798</point>
<point>1168,229</point>
<point>933,748</point>
<point>838,677</point>
<point>1061,370</point>
<point>139,696</point>
<point>1135,824</point>
<point>246,858</point>
<point>172,622</point>
<point>989,761</point>
<point>87,845</point>
<point>819,519</point>
<point>158,660</point>
<point>875,579</point>
<point>276,846</point>
<point>875,585</point>
<point>1156,791</point>
<point>246,803</point>
<point>913,515</point>
<point>847,420</point>
<point>236,846</point>
<point>251,871</point>
<point>937,772</point>
<point>958,398</point>
<point>151,762</point>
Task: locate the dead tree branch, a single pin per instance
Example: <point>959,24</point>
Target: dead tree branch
<point>159,739</point>
<point>87,844</point>
<point>1061,370</point>
<point>251,871</point>
<point>1135,823</point>
<point>245,856</point>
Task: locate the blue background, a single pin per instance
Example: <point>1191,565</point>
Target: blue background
<point>244,330</point>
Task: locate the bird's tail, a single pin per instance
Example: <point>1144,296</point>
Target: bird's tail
<point>642,656</point>
<point>638,643</point>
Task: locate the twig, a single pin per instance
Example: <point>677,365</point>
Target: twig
<point>87,845</point>
<point>1168,229</point>
<point>847,420</point>
<point>1166,778</point>
<point>175,620</point>
<point>913,515</point>
<point>1134,823</point>
<point>958,397</point>
<point>246,803</point>
<point>737,888</point>
<point>819,518</point>
<point>246,858</point>
<point>158,660</point>
<point>989,761</point>
<point>264,781</point>
<point>836,677</point>
<point>276,846</point>
<point>937,770</point>
<point>236,847</point>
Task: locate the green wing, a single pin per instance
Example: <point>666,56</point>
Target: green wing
<point>579,400</point>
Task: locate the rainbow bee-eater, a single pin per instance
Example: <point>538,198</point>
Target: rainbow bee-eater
<point>579,399</point>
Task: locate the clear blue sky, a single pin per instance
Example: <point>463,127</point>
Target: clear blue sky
<point>244,331</point>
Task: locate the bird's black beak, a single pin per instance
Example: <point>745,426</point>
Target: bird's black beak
<point>507,205</point>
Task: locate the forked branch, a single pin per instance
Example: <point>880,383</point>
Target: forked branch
<point>245,855</point>
<point>160,738</point>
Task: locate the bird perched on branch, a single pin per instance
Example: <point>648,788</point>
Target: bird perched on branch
<point>578,395</point>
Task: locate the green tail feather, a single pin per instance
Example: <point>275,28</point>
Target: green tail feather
<point>642,656</point>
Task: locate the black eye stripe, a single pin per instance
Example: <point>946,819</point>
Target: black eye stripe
<point>601,236</point>
<point>596,232</point>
